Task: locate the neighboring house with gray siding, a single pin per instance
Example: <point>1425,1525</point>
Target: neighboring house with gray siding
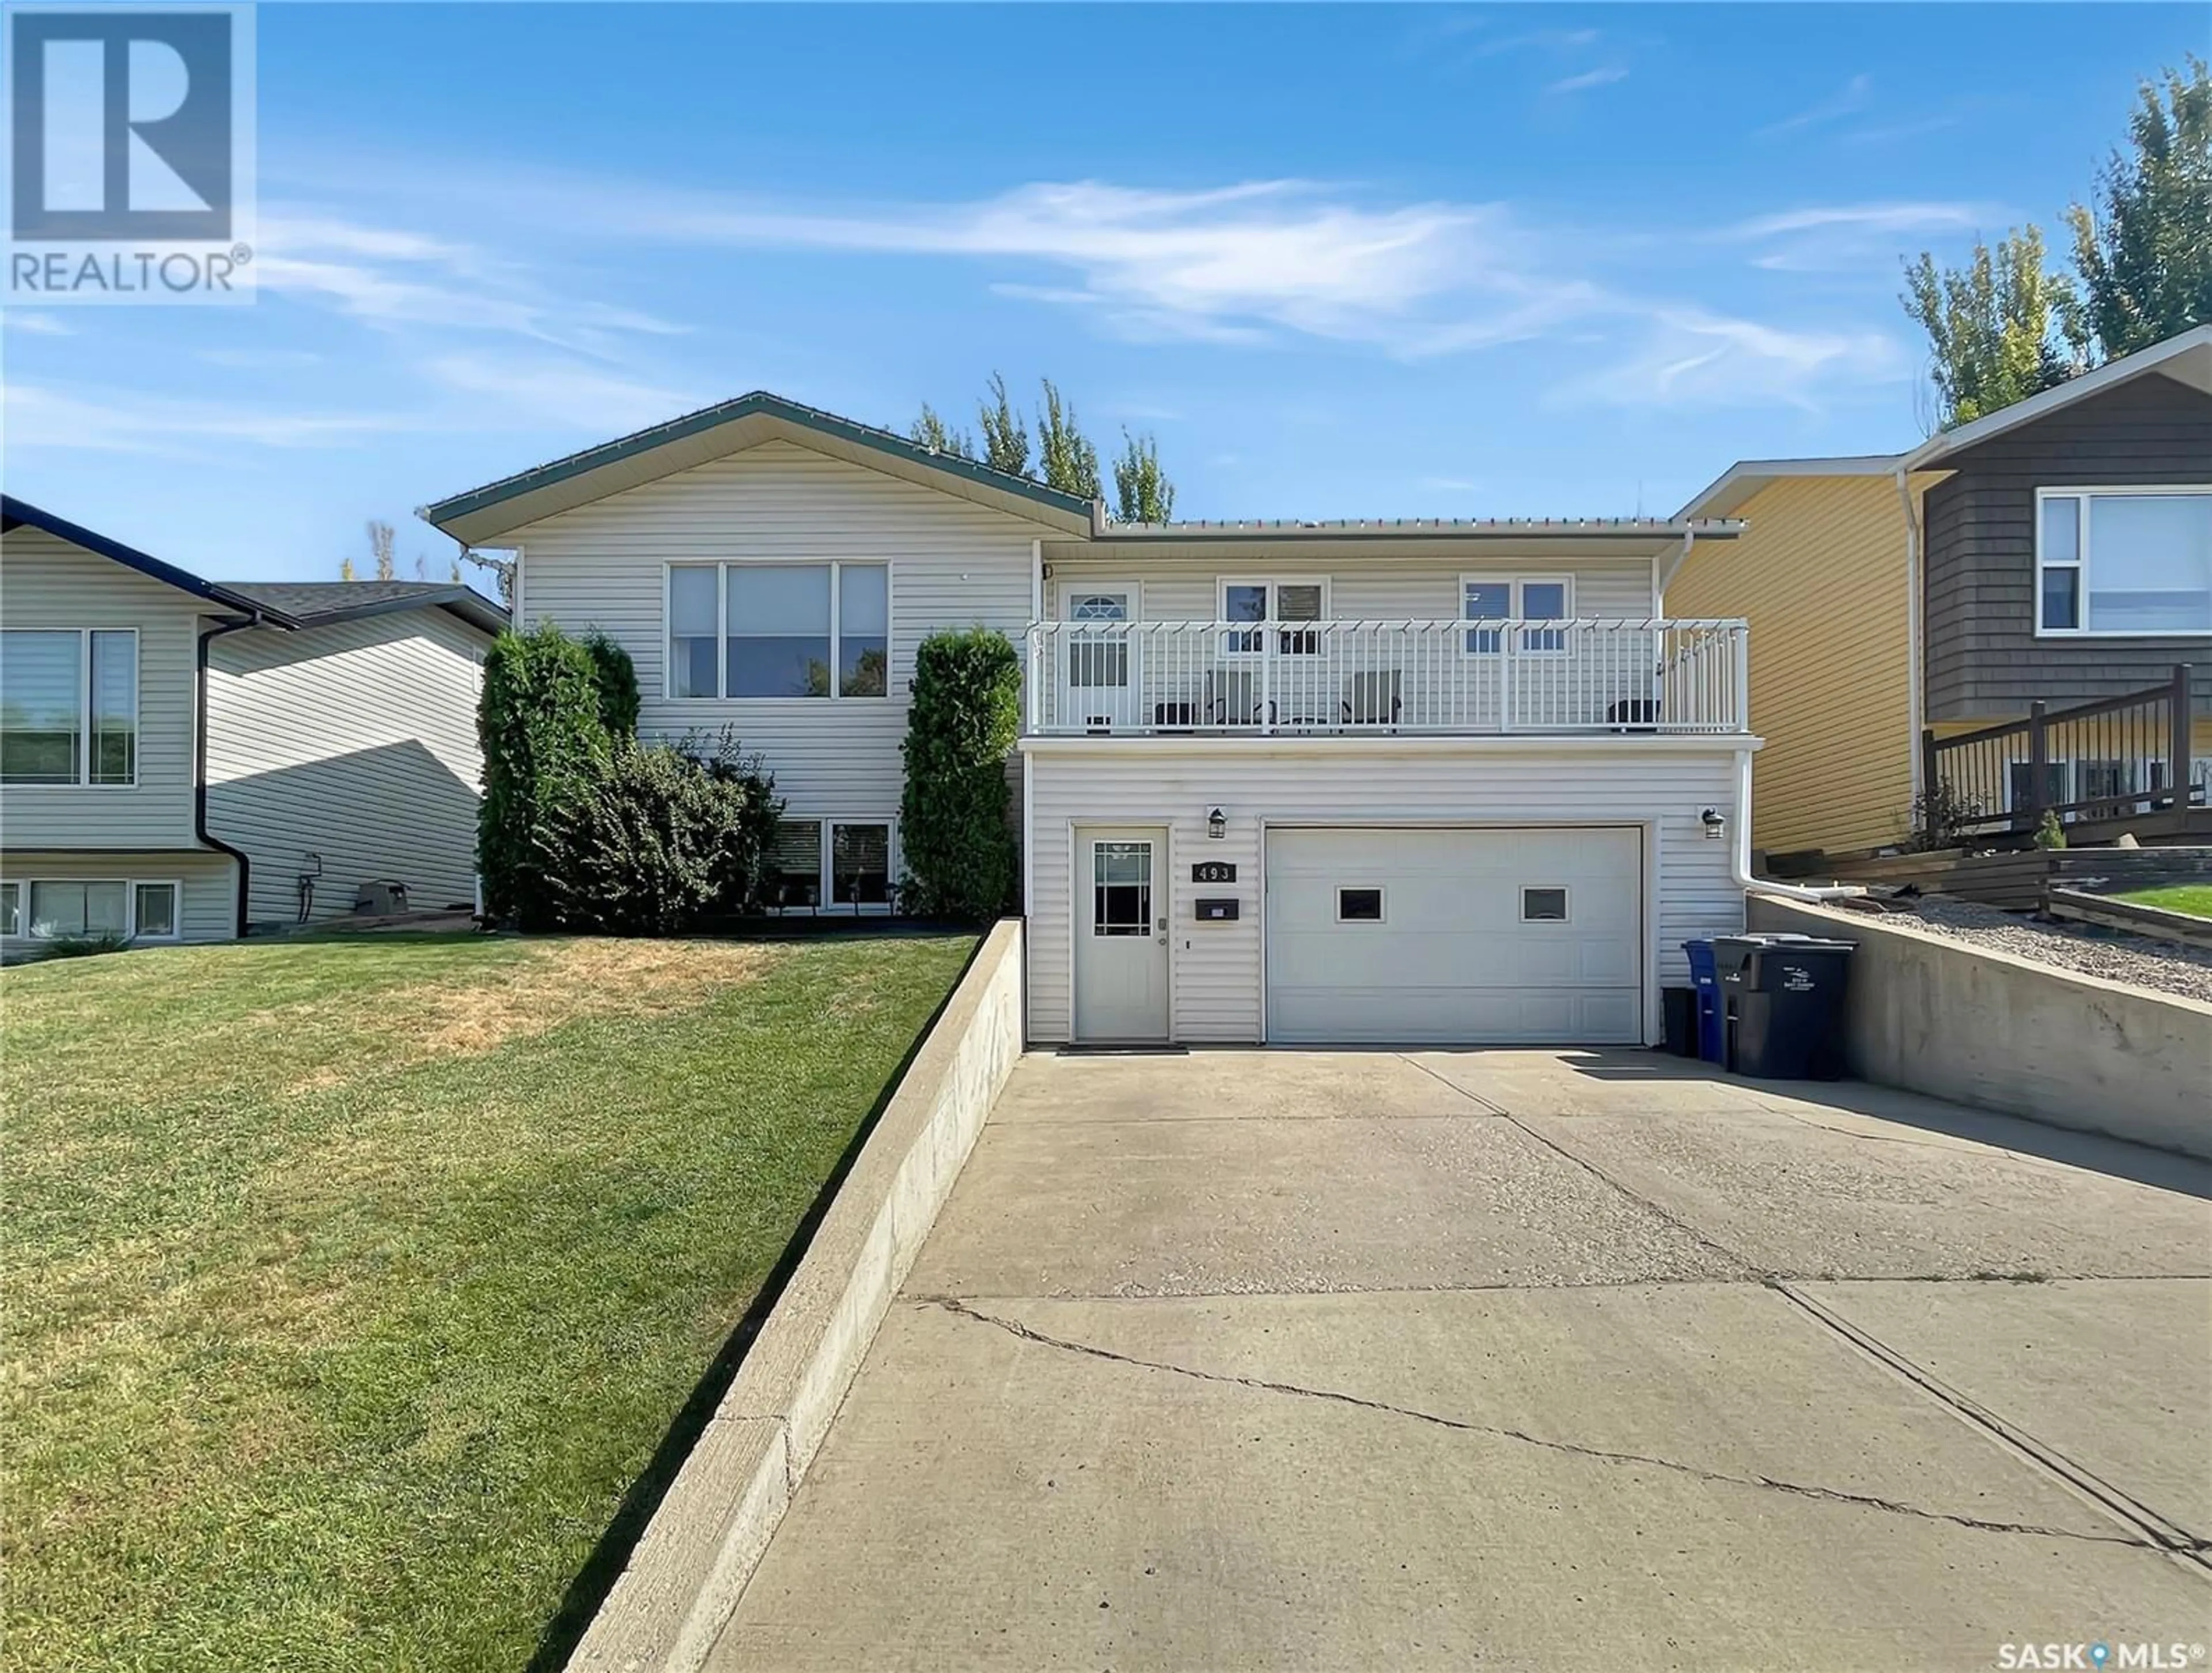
<point>174,750</point>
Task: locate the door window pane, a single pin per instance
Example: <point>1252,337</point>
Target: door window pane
<point>1121,881</point>
<point>779,630</point>
<point>863,628</point>
<point>2150,563</point>
<point>692,639</point>
<point>41,713</point>
<point>861,863</point>
<point>156,906</point>
<point>1481,601</point>
<point>114,708</point>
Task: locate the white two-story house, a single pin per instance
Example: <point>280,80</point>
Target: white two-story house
<point>183,759</point>
<point>1380,782</point>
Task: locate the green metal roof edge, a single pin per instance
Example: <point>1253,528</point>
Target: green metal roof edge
<point>724,412</point>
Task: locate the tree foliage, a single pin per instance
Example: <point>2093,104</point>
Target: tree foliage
<point>931,431</point>
<point>1142,492</point>
<point>380,536</point>
<point>953,816</point>
<point>544,745</point>
<point>616,677</point>
<point>1005,436</point>
<point>2143,253</point>
<point>1992,326</point>
<point>1066,455</point>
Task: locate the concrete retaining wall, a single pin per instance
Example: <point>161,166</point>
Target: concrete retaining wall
<point>683,1579</point>
<point>1937,1016</point>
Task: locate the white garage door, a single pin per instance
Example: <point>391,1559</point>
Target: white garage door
<point>1530,936</point>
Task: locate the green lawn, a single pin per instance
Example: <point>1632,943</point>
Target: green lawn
<point>2175,897</point>
<point>351,1284</point>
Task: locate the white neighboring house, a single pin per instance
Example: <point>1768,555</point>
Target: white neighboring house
<point>177,754</point>
<point>1391,782</point>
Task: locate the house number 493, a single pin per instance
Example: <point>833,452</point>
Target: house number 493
<point>1213,871</point>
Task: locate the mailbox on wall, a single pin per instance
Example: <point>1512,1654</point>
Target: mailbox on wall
<point>1217,912</point>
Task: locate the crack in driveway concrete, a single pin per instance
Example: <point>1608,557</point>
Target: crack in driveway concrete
<point>1028,1333</point>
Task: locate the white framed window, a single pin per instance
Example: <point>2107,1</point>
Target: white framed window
<point>1543,903</point>
<point>1517,598</point>
<point>2123,561</point>
<point>779,630</point>
<point>848,865</point>
<point>68,706</point>
<point>1359,903</point>
<point>47,908</point>
<point>1256,599</point>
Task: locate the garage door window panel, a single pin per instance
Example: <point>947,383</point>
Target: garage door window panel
<point>1543,904</point>
<point>1357,904</point>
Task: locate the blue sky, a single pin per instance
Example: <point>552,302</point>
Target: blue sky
<point>1382,261</point>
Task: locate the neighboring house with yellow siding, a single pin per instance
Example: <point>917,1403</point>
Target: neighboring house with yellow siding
<point>2058,551</point>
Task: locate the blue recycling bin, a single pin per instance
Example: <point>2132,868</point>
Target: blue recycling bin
<point>1704,976</point>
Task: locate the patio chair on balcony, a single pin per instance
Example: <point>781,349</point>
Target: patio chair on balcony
<point>1374,697</point>
<point>1232,697</point>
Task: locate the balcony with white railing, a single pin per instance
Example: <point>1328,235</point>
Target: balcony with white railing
<point>1472,678</point>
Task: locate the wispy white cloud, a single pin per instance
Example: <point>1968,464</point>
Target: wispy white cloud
<point>1450,484</point>
<point>1692,358</point>
<point>571,393</point>
<point>1829,238</point>
<point>131,422</point>
<point>1604,75</point>
<point>1852,96</point>
<point>35,324</point>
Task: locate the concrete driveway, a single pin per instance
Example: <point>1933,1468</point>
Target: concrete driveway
<point>1364,1360</point>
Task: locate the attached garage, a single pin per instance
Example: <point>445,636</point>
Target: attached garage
<point>1455,936</point>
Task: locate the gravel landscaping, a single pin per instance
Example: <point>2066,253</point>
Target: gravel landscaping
<point>2113,954</point>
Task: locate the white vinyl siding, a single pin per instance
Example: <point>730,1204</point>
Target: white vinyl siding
<point>48,583</point>
<point>953,564</point>
<point>1215,969</point>
<point>356,742</point>
<point>1183,582</point>
<point>207,887</point>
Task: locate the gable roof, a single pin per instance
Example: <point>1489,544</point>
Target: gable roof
<point>2186,358</point>
<point>287,604</point>
<point>318,603</point>
<point>729,427</point>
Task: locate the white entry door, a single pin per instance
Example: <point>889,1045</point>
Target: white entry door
<point>1102,682</point>
<point>1456,937</point>
<point>1121,934</point>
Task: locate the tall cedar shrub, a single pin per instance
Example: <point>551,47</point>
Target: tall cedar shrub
<point>656,842</point>
<point>965,717</point>
<point>617,679</point>
<point>539,721</point>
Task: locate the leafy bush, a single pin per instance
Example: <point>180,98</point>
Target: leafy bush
<point>965,717</point>
<point>654,842</point>
<point>2050,833</point>
<point>543,742</point>
<point>618,680</point>
<point>1936,817</point>
<point>82,947</point>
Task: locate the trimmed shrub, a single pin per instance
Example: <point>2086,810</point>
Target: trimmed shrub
<point>82,947</point>
<point>2048,833</point>
<point>965,717</point>
<point>544,743</point>
<point>617,680</point>
<point>655,842</point>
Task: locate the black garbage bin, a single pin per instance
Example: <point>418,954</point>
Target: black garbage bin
<point>1784,1000</point>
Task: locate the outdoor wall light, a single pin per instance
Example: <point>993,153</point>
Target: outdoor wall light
<point>1217,824</point>
<point>1714,821</point>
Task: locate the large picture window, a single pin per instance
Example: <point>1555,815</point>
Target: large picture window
<point>779,630</point>
<point>68,706</point>
<point>2124,560</point>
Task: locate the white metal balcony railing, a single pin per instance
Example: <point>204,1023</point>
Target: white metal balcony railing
<point>1474,676</point>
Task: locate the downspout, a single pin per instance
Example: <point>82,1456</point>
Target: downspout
<point>1740,852</point>
<point>1914,704</point>
<point>208,838</point>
